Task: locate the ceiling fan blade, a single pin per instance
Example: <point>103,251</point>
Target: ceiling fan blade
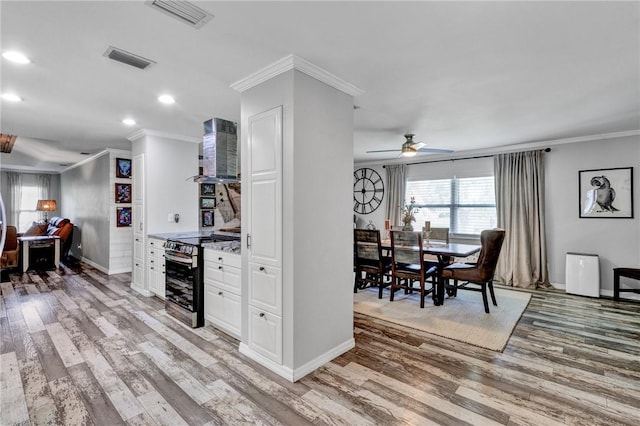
<point>435,150</point>
<point>383,150</point>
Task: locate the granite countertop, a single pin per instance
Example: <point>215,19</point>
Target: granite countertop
<point>191,234</point>
<point>227,246</point>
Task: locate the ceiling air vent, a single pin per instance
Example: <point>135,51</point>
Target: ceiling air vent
<point>182,10</point>
<point>128,58</point>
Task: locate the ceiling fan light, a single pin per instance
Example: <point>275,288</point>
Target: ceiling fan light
<point>408,151</point>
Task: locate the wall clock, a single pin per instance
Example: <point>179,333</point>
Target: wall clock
<point>368,190</point>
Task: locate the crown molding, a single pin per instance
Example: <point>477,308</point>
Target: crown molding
<point>295,62</point>
<point>145,132</point>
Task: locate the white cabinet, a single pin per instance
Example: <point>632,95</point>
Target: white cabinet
<point>222,291</point>
<point>264,229</point>
<point>138,274</point>
<point>155,267</point>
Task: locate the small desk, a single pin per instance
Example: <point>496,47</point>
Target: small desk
<point>633,273</point>
<point>41,252</point>
<point>444,253</point>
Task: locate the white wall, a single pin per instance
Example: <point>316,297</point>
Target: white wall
<point>169,164</point>
<point>616,241</point>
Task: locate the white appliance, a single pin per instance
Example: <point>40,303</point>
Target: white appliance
<point>583,274</point>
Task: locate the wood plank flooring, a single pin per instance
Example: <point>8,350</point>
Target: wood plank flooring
<point>80,348</point>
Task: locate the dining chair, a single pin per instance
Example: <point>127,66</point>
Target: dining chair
<point>480,273</point>
<point>439,235</point>
<point>11,251</point>
<point>408,266</point>
<point>370,265</point>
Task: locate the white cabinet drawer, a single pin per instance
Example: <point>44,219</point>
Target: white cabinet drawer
<point>265,288</point>
<point>265,334</point>
<point>222,308</point>
<point>223,258</point>
<point>224,276</point>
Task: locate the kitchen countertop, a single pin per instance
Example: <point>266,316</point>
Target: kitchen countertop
<point>192,234</point>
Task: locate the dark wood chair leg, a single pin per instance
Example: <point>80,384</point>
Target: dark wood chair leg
<point>616,285</point>
<point>380,282</point>
<point>355,282</point>
<point>422,293</point>
<point>484,297</point>
<point>493,295</point>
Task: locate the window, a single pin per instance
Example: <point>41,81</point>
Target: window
<point>28,214</point>
<point>465,205</point>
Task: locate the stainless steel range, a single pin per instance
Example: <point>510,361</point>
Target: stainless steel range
<point>184,284</point>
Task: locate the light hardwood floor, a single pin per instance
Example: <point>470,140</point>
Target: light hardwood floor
<point>79,348</point>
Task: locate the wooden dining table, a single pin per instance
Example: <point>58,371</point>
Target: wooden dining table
<point>444,252</point>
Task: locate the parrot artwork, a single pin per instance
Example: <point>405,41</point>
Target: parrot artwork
<point>603,194</point>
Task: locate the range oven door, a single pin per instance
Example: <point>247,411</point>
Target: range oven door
<point>184,290</point>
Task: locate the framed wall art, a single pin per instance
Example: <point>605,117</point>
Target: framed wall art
<point>208,189</point>
<point>606,193</point>
<point>123,168</point>
<point>207,203</point>
<point>123,216</point>
<point>123,192</point>
<point>207,218</point>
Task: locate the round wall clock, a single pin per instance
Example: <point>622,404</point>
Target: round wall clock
<point>368,190</point>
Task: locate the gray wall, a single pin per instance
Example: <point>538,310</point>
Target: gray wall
<point>616,241</point>
<point>85,192</point>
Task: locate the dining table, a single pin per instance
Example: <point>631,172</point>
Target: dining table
<point>444,253</point>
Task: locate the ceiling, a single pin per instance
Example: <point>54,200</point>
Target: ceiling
<point>460,75</point>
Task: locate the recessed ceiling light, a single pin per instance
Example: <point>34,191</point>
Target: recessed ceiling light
<point>166,99</point>
<point>129,122</point>
<point>16,57</point>
<point>11,97</point>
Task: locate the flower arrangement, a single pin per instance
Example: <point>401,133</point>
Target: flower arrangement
<point>407,212</point>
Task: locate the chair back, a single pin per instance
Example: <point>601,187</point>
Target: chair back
<point>367,248</point>
<point>406,248</point>
<point>11,241</point>
<point>491,241</point>
<point>439,235</point>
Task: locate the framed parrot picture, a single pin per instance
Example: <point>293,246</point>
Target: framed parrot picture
<point>606,193</point>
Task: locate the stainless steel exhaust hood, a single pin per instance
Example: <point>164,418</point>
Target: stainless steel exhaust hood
<point>219,152</point>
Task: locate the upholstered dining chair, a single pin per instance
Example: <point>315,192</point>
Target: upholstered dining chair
<point>11,250</point>
<point>370,265</point>
<point>480,273</point>
<point>408,267</point>
<point>439,235</point>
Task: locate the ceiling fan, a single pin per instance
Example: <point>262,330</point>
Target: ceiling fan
<point>410,148</point>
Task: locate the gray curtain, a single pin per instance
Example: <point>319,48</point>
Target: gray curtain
<point>14,198</point>
<point>396,187</point>
<point>519,181</point>
<point>43,182</point>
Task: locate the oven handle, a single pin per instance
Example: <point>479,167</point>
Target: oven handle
<point>177,259</point>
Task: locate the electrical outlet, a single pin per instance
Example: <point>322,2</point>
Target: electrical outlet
<point>170,217</point>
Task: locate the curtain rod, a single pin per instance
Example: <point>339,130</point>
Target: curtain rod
<point>456,159</point>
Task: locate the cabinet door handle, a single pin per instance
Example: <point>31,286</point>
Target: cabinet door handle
<point>262,268</point>
<point>220,268</point>
<point>219,293</point>
<point>141,226</point>
<point>261,314</point>
<point>220,259</point>
<point>151,268</point>
<point>248,240</point>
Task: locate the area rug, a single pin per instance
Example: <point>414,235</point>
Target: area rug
<point>461,318</point>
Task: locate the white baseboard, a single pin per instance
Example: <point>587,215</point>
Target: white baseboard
<point>95,265</point>
<point>300,372</point>
<point>604,292</point>
<point>141,290</point>
<point>119,271</point>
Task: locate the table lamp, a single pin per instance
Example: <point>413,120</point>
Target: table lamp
<point>46,206</point>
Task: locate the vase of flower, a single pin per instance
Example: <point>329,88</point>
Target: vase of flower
<point>408,215</point>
